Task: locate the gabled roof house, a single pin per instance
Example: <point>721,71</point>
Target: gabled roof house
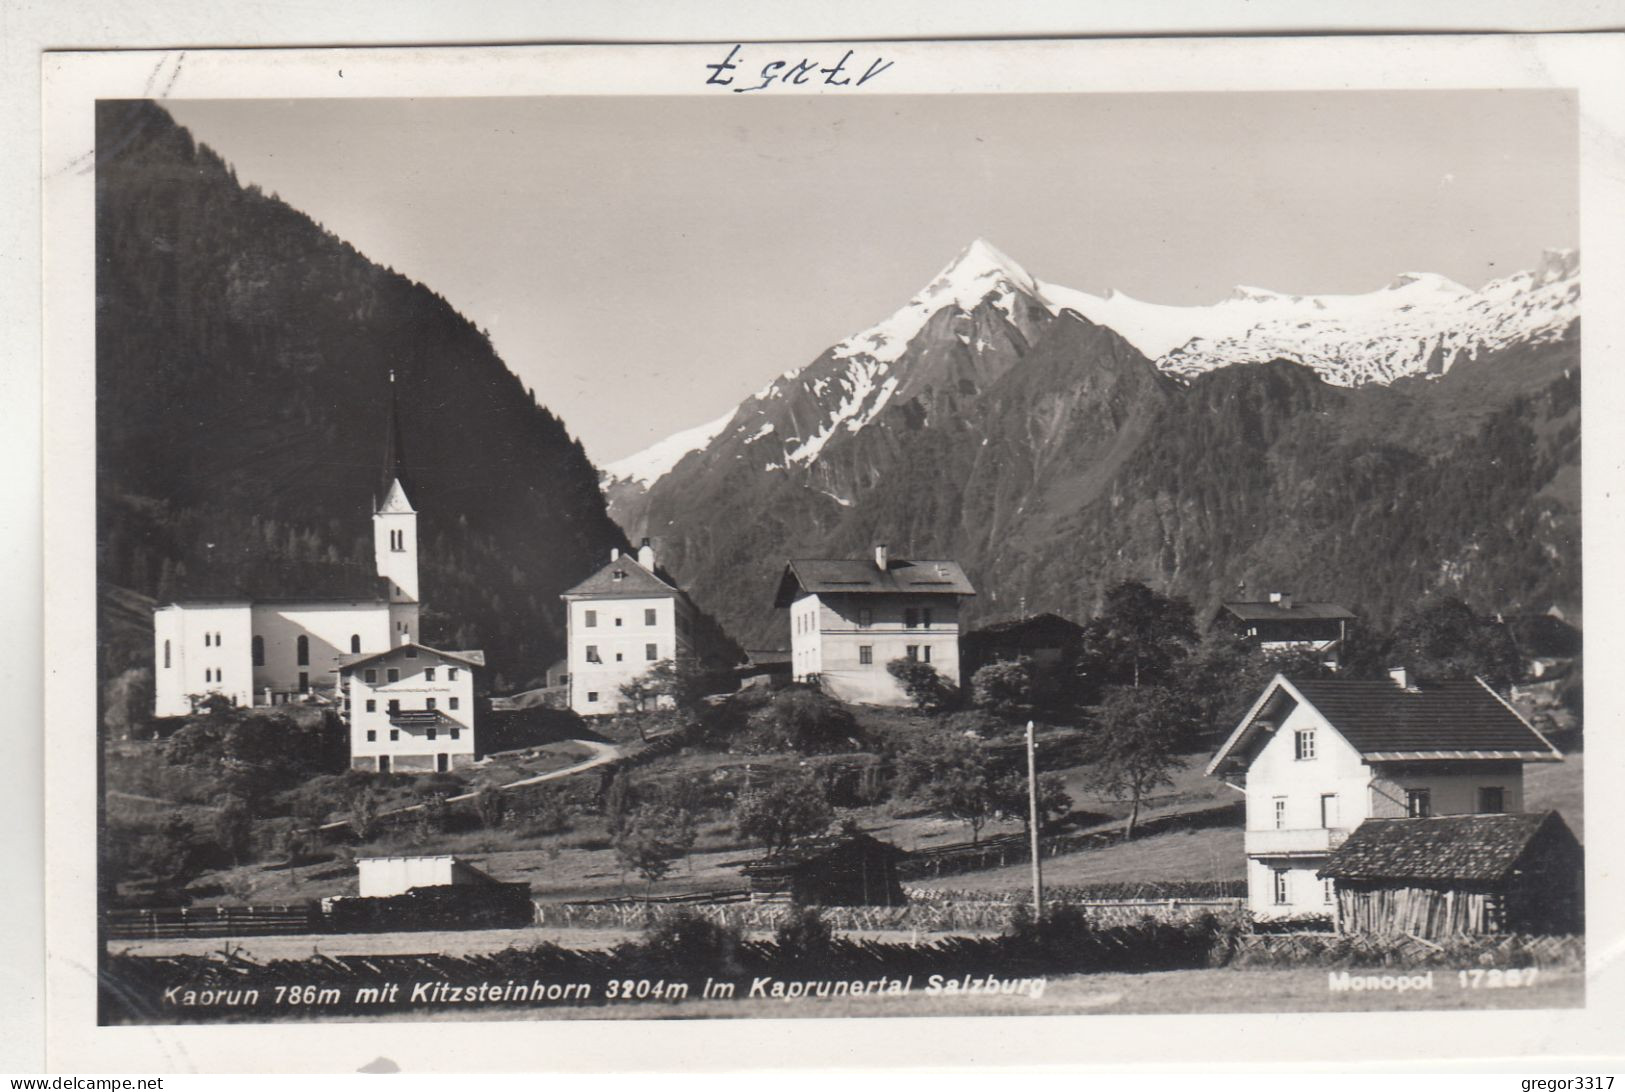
<point>849,618</point>
<point>1318,757</point>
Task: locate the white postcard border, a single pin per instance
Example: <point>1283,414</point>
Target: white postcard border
<point>73,81</point>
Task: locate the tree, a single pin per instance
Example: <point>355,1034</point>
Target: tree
<point>363,808</point>
<point>1136,745</point>
<point>639,692</point>
<point>652,838</point>
<point>1011,800</point>
<point>1137,638</point>
<point>1005,688</point>
<point>1444,639</point>
<point>127,704</point>
<point>685,682</point>
<point>923,684</point>
<point>169,853</point>
<point>949,774</point>
<point>491,807</point>
<point>1227,672</point>
<point>234,827</point>
<point>787,810</point>
<point>618,801</point>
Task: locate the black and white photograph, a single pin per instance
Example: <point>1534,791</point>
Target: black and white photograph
<point>813,546</point>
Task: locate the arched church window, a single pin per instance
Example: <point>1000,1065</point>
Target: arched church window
<point>303,650</point>
<point>355,642</point>
<point>258,647</point>
<point>166,653</point>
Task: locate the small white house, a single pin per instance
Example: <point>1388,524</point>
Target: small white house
<point>622,620</point>
<point>850,618</point>
<point>1318,757</point>
<point>410,709</point>
<point>381,877</point>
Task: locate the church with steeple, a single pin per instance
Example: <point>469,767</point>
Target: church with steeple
<point>289,647</point>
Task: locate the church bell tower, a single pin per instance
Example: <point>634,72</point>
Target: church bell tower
<point>395,532</point>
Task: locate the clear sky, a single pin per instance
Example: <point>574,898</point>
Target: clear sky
<point>645,263</point>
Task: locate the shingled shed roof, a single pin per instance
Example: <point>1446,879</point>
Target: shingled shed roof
<point>1387,722</point>
<point>816,850</point>
<point>1272,612</point>
<point>863,577</point>
<point>1443,849</point>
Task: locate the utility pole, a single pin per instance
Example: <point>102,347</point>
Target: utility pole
<point>1032,822</point>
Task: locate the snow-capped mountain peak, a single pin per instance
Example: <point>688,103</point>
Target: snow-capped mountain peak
<point>1418,324</point>
<point>980,270</point>
<point>656,460</point>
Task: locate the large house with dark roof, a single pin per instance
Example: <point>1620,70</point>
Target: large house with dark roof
<point>622,620</point>
<point>850,618</point>
<point>1318,757</point>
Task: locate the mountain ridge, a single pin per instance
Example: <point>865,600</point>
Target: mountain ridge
<point>1417,324</point>
<point>1050,454</point>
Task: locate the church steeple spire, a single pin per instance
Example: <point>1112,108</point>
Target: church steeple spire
<point>391,493</point>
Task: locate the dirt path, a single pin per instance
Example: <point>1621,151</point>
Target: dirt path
<point>602,753</point>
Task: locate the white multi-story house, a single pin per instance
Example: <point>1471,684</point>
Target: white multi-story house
<point>622,620</point>
<point>850,618</point>
<point>267,650</point>
<point>1318,757</point>
<point>410,708</point>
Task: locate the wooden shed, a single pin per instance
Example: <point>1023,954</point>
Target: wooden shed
<point>850,869</point>
<point>1454,874</point>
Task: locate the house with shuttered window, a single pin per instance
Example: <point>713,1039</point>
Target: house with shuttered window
<point>1316,758</point>
<point>850,618</point>
<point>622,620</point>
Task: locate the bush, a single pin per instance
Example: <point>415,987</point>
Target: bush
<point>802,719</point>
<point>685,942</point>
<point>975,722</point>
<point>924,685</point>
<point>549,814</point>
<point>854,781</point>
<point>1005,688</point>
<point>804,937</point>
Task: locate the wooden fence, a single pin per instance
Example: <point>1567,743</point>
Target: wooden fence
<point>1403,951</point>
<point>735,909</point>
<point>213,921</point>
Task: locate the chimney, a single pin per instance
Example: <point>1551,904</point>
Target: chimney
<point>1401,677</point>
<point>881,557</point>
<point>646,556</point>
<point>1281,599</point>
<point>614,553</point>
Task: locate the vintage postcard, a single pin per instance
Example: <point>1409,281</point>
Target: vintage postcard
<point>888,532</point>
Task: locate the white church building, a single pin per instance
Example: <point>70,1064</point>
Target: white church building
<point>274,650</point>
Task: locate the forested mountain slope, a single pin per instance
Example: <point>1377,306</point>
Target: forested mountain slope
<point>243,356</point>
